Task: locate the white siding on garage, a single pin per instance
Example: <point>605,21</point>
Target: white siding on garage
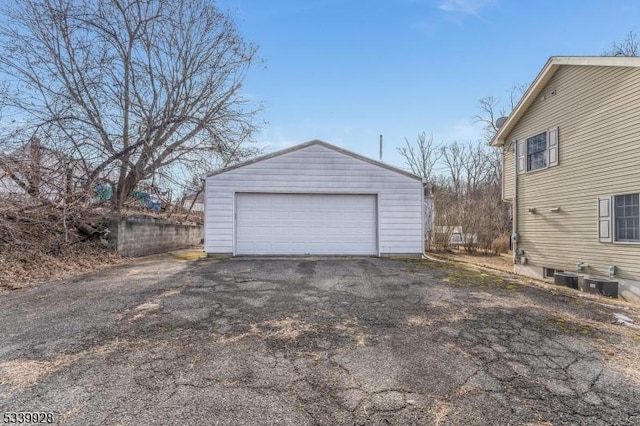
<point>318,169</point>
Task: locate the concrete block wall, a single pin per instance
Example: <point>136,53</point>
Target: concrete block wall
<point>140,236</point>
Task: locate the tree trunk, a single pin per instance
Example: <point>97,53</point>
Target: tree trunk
<point>193,202</point>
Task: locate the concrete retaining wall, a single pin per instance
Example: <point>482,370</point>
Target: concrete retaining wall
<point>140,236</point>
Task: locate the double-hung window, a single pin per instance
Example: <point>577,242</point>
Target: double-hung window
<point>538,152</point>
<point>619,218</point>
<point>627,217</point>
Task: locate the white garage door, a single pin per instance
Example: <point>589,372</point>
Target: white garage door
<point>306,224</point>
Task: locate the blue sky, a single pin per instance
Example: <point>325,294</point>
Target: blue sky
<point>346,71</point>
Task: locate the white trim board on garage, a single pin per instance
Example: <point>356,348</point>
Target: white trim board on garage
<point>314,199</point>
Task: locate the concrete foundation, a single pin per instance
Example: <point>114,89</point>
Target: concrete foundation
<point>629,290</point>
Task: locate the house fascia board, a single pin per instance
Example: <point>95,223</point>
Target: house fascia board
<point>323,144</point>
<point>545,75</point>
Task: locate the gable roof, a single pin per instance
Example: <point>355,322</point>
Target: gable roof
<point>320,143</point>
<point>545,75</point>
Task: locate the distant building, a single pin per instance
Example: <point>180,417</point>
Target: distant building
<point>198,205</point>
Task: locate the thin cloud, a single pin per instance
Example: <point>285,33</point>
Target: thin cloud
<point>470,7</point>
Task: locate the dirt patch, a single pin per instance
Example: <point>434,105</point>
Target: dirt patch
<point>353,328</point>
<point>289,328</point>
<point>40,242</point>
<point>20,269</point>
<point>191,254</point>
<point>146,308</point>
<point>418,321</point>
<point>24,373</point>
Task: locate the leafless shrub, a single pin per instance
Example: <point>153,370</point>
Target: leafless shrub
<point>500,244</point>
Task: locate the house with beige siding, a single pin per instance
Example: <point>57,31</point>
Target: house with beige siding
<point>571,171</point>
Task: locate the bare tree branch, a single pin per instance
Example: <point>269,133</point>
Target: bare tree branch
<point>630,46</point>
<point>491,109</point>
<point>127,87</point>
<point>421,157</point>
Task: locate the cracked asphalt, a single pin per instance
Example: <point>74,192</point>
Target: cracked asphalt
<point>309,341</point>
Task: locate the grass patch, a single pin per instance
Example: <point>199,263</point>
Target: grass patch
<point>417,265</point>
<point>464,277</point>
<point>570,327</point>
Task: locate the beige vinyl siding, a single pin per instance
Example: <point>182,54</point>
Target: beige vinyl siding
<point>317,169</point>
<point>597,111</point>
<point>508,172</point>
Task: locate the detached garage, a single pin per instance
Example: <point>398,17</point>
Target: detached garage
<point>314,199</point>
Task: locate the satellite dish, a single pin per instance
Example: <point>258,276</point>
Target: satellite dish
<point>500,122</point>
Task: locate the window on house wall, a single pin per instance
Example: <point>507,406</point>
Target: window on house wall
<point>627,217</point>
<point>537,152</point>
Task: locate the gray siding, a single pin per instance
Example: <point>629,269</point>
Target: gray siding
<point>317,169</point>
<point>597,110</point>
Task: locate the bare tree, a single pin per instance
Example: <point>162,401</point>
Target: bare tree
<point>493,218</point>
<point>465,178</point>
<point>493,160</point>
<point>630,46</point>
<point>475,166</point>
<point>421,157</point>
<point>492,108</point>
<point>490,112</point>
<point>127,87</point>
<point>453,157</point>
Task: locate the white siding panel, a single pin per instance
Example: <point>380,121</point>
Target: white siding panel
<point>318,169</point>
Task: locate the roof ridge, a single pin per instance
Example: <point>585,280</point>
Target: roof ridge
<point>311,143</point>
<point>544,76</point>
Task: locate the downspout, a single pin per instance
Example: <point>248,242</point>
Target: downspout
<point>423,183</point>
<point>204,217</point>
<point>514,226</point>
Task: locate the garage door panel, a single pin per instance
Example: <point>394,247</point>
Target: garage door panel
<point>306,224</point>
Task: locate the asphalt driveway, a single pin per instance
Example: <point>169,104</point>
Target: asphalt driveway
<point>315,341</point>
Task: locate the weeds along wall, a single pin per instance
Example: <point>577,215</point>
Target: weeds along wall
<point>140,236</point>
